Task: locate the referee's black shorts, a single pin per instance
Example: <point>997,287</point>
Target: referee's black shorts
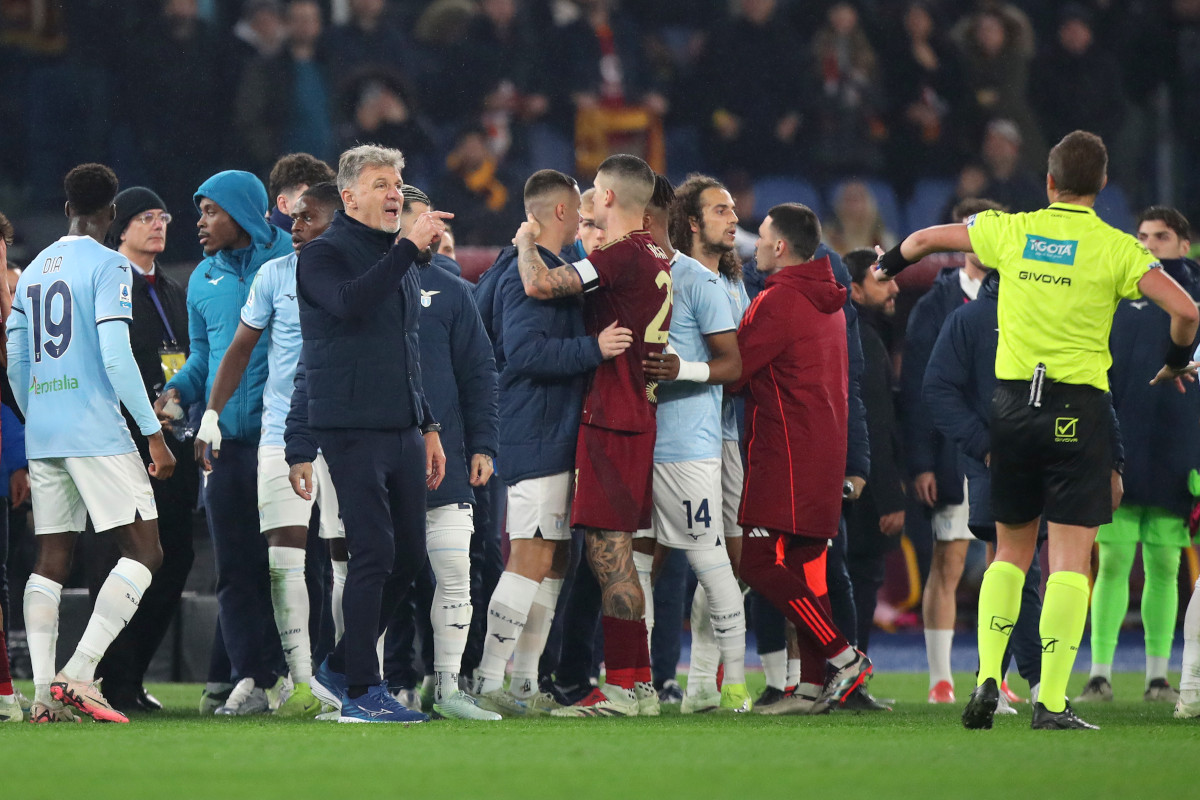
<point>1054,461</point>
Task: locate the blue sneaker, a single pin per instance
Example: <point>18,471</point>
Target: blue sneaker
<point>328,686</point>
<point>377,706</point>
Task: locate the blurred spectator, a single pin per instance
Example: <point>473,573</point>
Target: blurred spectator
<point>1093,100</point>
<point>378,109</point>
<point>926,94</point>
<point>972,180</point>
<point>856,224</point>
<point>371,39</point>
<point>605,64</point>
<point>753,75</point>
<point>848,124</point>
<point>1010,182</point>
<point>497,75</point>
<point>486,210</point>
<point>283,103</point>
<point>996,45</point>
<point>446,246</point>
<point>260,32</point>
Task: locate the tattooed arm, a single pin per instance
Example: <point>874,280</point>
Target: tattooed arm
<point>610,554</point>
<point>541,282</point>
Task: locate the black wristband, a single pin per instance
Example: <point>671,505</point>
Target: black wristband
<point>1178,355</point>
<point>892,263</point>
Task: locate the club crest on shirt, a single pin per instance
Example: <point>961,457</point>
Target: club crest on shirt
<point>427,297</point>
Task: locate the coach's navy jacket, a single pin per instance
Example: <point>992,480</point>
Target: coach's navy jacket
<point>925,448</point>
<point>1158,424</point>
<point>544,357</point>
<point>360,307</point>
<point>958,384</point>
<point>460,378</point>
<point>299,444</point>
<point>858,448</point>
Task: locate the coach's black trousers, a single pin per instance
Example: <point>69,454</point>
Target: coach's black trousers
<point>379,476</point>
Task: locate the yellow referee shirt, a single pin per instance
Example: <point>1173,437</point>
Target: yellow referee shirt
<point>1062,271</point>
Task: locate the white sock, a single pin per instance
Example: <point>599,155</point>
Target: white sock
<point>507,613</point>
<point>706,656</point>
<point>444,684</point>
<point>810,690</point>
<point>644,564</point>
<point>1189,680</point>
<point>450,615</point>
<point>289,598</point>
<point>843,658</point>
<point>116,604</point>
<point>532,640</point>
<point>42,598</point>
<point>340,568</point>
<point>1156,667</point>
<point>793,672</point>
<point>727,610</point>
<point>937,650</point>
<point>774,666</point>
<point>1102,671</point>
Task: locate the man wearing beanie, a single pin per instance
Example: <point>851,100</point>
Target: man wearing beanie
<point>237,240</point>
<point>159,338</point>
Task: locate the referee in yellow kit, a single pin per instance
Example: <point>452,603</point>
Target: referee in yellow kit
<point>1063,271</point>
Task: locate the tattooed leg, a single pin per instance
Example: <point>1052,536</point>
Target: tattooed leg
<point>610,554</point>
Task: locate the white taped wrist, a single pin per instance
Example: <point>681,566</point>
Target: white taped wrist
<point>694,371</point>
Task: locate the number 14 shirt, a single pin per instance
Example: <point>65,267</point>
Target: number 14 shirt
<point>62,297</point>
<point>627,281</point>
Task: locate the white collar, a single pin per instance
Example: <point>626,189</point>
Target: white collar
<point>970,286</point>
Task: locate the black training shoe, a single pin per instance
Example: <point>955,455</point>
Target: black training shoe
<point>1065,720</point>
<point>981,707</point>
<point>769,697</point>
<point>861,700</point>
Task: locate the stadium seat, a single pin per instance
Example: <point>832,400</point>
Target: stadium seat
<point>1112,206</point>
<point>928,200</point>
<point>772,191</point>
<point>885,200</point>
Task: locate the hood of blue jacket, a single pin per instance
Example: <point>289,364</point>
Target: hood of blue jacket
<point>243,197</point>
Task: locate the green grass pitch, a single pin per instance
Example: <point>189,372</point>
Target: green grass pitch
<point>918,751</point>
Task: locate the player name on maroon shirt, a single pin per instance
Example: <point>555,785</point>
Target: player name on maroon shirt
<point>627,281</point>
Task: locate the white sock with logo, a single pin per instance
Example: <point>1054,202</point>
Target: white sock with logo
<point>706,656</point>
<point>450,616</point>
<point>42,598</point>
<point>507,613</point>
<point>116,604</point>
<point>532,641</point>
<point>727,609</point>
<point>289,599</point>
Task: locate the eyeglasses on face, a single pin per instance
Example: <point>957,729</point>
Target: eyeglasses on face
<point>149,217</point>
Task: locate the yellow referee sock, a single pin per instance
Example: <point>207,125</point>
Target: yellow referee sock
<point>999,605</point>
<point>1064,612</point>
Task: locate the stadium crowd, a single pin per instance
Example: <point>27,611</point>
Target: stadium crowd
<point>611,402</point>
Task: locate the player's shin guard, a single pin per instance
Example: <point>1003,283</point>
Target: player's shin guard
<point>706,655</point>
<point>507,614</point>
<point>1064,613</point>
<point>289,599</point>
<point>42,598</point>
<point>644,564</point>
<point>532,640</point>
<point>116,604</point>
<point>340,568</point>
<point>726,608</point>
<point>999,605</point>
<point>1189,679</point>
<point>450,557</point>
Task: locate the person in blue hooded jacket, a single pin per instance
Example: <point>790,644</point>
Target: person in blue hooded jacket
<point>544,358</point>
<point>1162,446</point>
<point>237,240</point>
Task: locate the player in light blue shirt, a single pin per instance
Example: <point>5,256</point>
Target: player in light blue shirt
<point>283,516</point>
<point>71,368</point>
<point>687,454</point>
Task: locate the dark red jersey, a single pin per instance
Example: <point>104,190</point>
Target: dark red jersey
<point>627,281</point>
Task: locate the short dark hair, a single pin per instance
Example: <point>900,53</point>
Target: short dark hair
<point>630,170</point>
<point>685,208</point>
<point>1079,164</point>
<point>663,195</point>
<point>6,230</point>
<point>859,262</point>
<point>414,195</point>
<point>325,193</point>
<point>545,181</point>
<point>797,224</point>
<point>974,205</point>
<point>1171,217</point>
<point>90,188</point>
<point>297,169</point>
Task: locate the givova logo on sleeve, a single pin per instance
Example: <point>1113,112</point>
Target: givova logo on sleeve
<point>1052,251</point>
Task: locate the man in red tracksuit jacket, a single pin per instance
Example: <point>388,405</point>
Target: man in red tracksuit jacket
<point>794,376</point>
